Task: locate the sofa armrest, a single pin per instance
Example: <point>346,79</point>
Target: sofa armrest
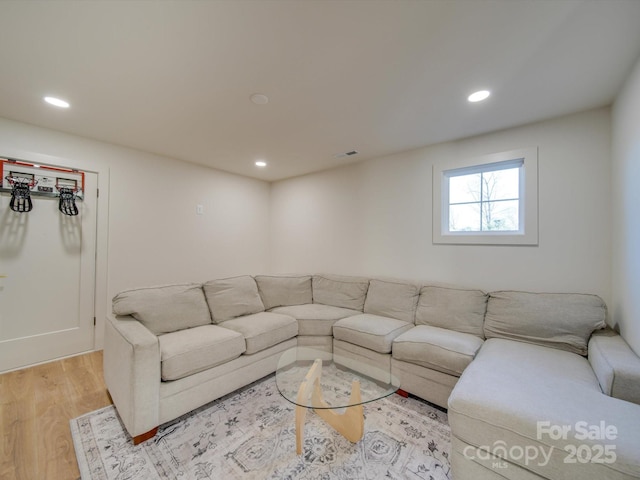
<point>132,373</point>
<point>616,366</point>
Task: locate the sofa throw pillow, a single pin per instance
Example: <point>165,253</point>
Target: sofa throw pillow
<point>165,309</point>
<point>280,290</point>
<point>232,297</point>
<point>392,299</point>
<point>340,291</point>
<point>559,320</point>
<point>452,308</point>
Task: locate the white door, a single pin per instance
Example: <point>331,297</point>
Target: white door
<point>47,279</point>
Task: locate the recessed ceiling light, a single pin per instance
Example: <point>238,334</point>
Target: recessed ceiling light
<point>57,102</point>
<point>261,163</point>
<point>259,99</point>
<point>479,96</point>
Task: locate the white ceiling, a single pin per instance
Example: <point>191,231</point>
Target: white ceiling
<point>174,78</point>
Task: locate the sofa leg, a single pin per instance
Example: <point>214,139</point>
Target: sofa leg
<point>402,393</point>
<point>145,436</point>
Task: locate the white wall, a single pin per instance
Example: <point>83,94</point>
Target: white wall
<point>149,233</point>
<point>375,217</point>
<point>626,210</point>
<point>372,218</point>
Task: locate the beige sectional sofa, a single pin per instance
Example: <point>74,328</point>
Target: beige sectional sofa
<point>512,367</point>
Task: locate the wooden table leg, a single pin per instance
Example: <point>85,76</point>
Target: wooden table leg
<point>304,394</point>
<point>301,413</point>
<point>349,424</point>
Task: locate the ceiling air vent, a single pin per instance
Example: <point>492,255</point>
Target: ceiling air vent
<point>346,154</point>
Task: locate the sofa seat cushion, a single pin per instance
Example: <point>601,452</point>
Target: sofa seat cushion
<point>513,393</point>
<point>193,350</point>
<point>446,351</point>
<point>370,331</point>
<point>263,330</point>
<point>316,319</point>
<point>165,309</point>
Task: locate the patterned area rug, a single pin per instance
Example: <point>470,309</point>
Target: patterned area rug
<point>250,434</point>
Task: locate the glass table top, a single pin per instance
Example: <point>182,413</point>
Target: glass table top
<point>336,379</point>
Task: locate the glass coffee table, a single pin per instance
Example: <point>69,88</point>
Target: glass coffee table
<point>334,386</point>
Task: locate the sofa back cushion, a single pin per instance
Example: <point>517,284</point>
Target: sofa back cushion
<point>340,291</point>
<point>559,320</point>
<point>282,291</point>
<point>452,308</point>
<point>165,309</point>
<point>232,297</point>
<point>392,299</point>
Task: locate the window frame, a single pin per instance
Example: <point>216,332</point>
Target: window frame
<point>527,234</point>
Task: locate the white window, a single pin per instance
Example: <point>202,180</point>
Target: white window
<point>488,200</point>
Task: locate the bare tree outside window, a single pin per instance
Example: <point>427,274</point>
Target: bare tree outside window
<point>485,201</point>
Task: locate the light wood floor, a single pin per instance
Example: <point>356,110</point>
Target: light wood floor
<point>36,405</point>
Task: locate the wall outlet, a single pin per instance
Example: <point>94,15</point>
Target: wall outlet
<point>199,209</point>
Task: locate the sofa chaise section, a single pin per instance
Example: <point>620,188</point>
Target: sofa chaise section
<point>513,400</point>
<point>520,408</point>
